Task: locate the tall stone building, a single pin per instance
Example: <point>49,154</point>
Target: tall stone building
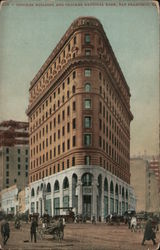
<point>14,154</point>
<point>144,182</point>
<point>155,166</point>
<point>79,124</point>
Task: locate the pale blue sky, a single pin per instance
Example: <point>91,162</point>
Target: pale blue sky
<point>29,34</point>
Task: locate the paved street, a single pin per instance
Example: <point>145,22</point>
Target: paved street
<point>83,237</point>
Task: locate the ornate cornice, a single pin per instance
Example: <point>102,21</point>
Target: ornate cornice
<point>81,23</point>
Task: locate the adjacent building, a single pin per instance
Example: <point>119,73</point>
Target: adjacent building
<point>79,126</point>
<point>145,185</point>
<point>155,166</point>
<point>14,154</point>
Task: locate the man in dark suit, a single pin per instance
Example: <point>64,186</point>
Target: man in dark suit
<point>33,230</point>
<point>5,231</point>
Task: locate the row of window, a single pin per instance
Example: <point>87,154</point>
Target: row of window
<point>18,151</point>
<point>58,61</point>
<point>110,120</point>
<point>18,159</point>
<point>61,117</point>
<point>87,161</point>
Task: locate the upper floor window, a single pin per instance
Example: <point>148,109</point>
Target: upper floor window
<point>74,40</point>
<point>87,122</point>
<point>87,72</point>
<point>87,87</point>
<point>87,139</point>
<point>87,38</point>
<point>87,104</point>
<point>87,52</point>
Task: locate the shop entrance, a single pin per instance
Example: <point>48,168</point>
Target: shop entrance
<point>87,206</point>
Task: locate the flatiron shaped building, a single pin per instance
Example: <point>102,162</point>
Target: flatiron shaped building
<point>79,122</point>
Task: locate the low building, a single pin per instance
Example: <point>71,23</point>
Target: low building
<point>9,200</point>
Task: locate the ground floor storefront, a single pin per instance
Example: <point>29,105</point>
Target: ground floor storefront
<point>89,191</point>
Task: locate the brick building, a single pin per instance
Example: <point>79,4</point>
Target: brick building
<point>79,125</point>
<point>14,154</point>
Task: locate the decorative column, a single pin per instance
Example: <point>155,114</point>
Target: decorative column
<point>61,197</point>
<point>109,197</point>
<point>102,201</point>
<point>80,194</point>
<point>52,197</point>
<point>94,198</point>
<point>70,192</point>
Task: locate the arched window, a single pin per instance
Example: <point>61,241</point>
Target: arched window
<point>127,194</point>
<point>32,192</point>
<point>111,188</point>
<point>106,185</point>
<point>116,191</point>
<point>56,186</point>
<point>48,187</point>
<point>123,192</point>
<point>37,190</point>
<point>65,183</point>
<point>87,179</point>
<point>87,87</point>
<point>41,186</point>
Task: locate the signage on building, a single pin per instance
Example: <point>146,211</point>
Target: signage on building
<point>87,190</point>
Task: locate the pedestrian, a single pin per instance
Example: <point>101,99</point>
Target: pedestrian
<point>149,234</point>
<point>33,230</point>
<point>133,224</point>
<point>61,228</point>
<point>5,231</point>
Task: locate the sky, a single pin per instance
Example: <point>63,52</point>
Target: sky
<point>28,34</point>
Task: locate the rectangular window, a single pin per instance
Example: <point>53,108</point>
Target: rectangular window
<point>74,123</point>
<point>73,161</point>
<point>59,149</point>
<point>68,144</point>
<point>74,40</point>
<point>7,150</point>
<point>87,139</point>
<point>19,151</point>
<point>63,165</point>
<point>87,72</point>
<point>68,110</point>
<point>74,74</point>
<point>87,52</point>
<point>87,160</point>
<point>63,130</point>
<point>87,103</point>
<point>74,141</point>
<point>87,122</point>
<point>68,127</point>
<point>63,147</point>
<point>7,158</point>
<point>68,163</point>
<point>87,38</point>
<point>74,106</point>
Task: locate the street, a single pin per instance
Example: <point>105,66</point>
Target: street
<point>83,237</point>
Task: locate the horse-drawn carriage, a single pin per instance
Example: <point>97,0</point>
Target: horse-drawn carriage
<point>114,218</point>
<point>54,229</point>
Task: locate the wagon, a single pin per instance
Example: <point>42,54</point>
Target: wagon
<point>54,230</point>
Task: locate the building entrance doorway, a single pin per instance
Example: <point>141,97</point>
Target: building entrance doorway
<point>87,206</point>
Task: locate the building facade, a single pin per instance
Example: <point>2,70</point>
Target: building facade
<point>14,154</point>
<point>79,125</point>
<point>145,185</point>
<point>155,166</point>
